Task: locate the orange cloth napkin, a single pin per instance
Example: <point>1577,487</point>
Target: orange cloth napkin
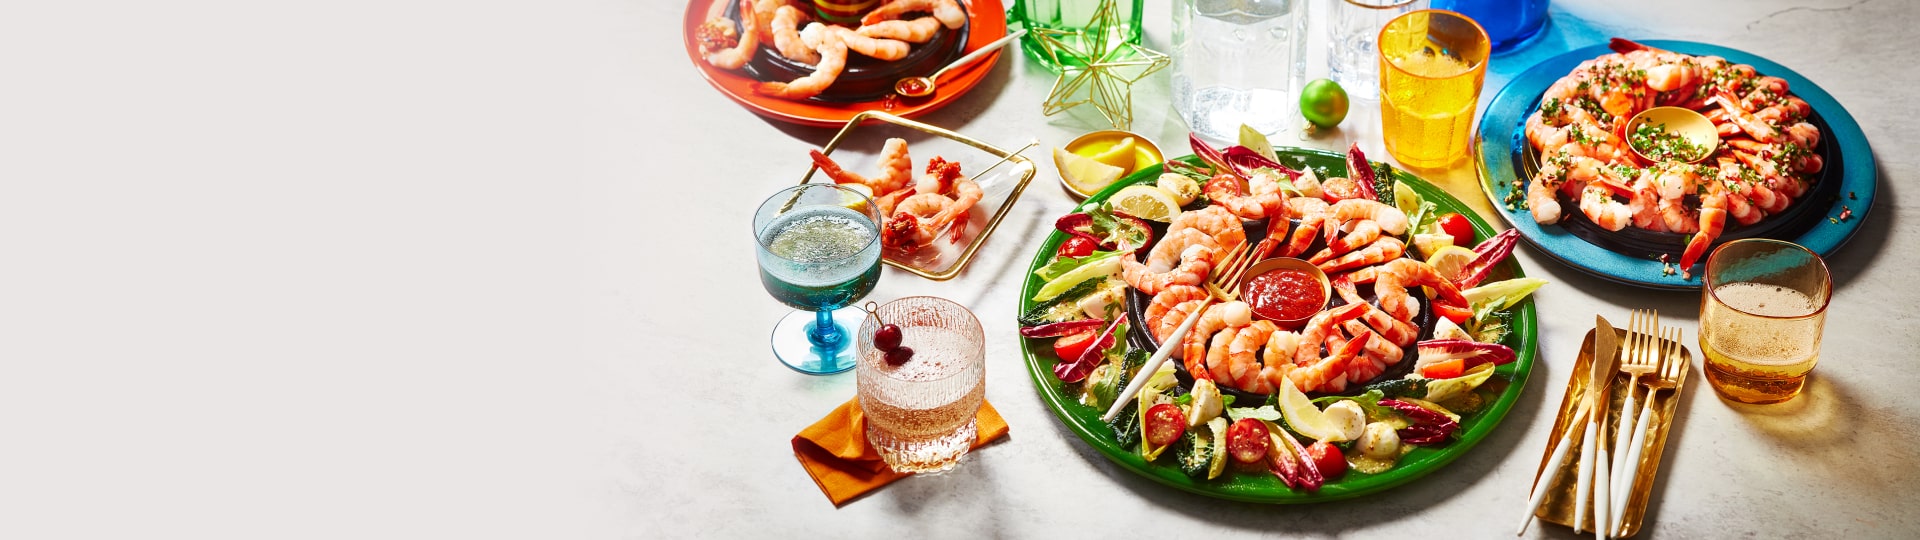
<point>835,452</point>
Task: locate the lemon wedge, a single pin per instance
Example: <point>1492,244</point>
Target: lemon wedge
<point>1147,202</point>
<point>1451,261</point>
<point>1084,174</point>
<point>859,203</point>
<point>1428,244</point>
<point>1120,155</point>
<point>1307,419</point>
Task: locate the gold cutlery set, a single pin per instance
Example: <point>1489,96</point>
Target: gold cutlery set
<point>1620,429</point>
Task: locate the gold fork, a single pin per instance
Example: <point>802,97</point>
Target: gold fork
<point>1223,286</point>
<point>1673,367</point>
<point>1640,357</point>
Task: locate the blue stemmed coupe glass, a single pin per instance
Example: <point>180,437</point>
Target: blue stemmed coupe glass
<point>819,251</point>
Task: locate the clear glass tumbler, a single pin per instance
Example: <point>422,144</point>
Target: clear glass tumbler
<point>819,251</point>
<point>1238,62</point>
<point>1763,308</point>
<point>920,413</point>
<point>1432,65</point>
<point>1351,30</point>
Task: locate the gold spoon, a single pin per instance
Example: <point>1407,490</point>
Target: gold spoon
<point>923,86</point>
<point>1679,121</point>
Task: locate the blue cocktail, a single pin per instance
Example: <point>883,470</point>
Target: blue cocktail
<point>1509,23</point>
<point>819,251</point>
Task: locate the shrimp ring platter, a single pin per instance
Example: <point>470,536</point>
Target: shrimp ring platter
<point>865,84</point>
<point>1077,405</point>
<point>1833,199</point>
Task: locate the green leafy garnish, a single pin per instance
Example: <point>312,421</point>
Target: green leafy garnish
<point>1257,142</point>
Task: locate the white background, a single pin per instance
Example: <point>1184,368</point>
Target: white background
<point>481,269</point>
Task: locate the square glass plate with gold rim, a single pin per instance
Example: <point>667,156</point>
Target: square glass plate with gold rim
<point>1002,175</point>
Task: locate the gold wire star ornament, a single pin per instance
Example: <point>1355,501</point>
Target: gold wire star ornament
<point>1096,67</point>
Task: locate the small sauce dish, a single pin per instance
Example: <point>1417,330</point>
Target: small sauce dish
<point>1285,290</point>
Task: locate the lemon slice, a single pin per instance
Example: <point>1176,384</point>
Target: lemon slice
<point>1084,174</point>
<point>1146,202</point>
<point>1305,418</point>
<point>1451,261</point>
<point>1120,155</point>
<point>856,203</point>
<point>1427,244</point>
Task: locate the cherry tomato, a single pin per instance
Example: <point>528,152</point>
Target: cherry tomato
<point>1247,440</point>
<point>1458,227</point>
<point>1071,346</point>
<point>1078,246</point>
<point>1164,424</point>
<point>1328,459</point>
<point>887,338</point>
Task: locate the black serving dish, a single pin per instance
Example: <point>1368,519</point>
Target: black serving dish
<point>1139,336</point>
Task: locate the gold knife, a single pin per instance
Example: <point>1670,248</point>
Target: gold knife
<point>1593,454</point>
<point>1560,449</point>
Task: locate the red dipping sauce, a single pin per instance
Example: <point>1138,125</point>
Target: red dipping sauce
<point>1285,294</point>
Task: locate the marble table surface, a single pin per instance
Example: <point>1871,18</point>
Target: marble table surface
<point>425,268</point>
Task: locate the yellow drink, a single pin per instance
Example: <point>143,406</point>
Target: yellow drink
<point>1432,65</point>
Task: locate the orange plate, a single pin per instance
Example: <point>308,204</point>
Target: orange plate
<point>988,22</point>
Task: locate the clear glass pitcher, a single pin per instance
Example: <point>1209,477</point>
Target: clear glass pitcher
<point>1238,62</point>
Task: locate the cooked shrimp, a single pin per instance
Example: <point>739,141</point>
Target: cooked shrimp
<point>1713,217</point>
<point>1243,367</point>
<point>1217,361</point>
<point>966,193</point>
<point>1390,219</point>
<point>948,12</point>
<point>896,168</point>
<point>764,12</point>
<point>1326,374</point>
<point>833,58</point>
<point>1645,204</point>
<point>1364,232</point>
<point>1395,276</point>
<point>1312,214</point>
<point>1194,264</point>
<point>1596,201</point>
<point>881,49</point>
<point>1224,190</point>
<point>1216,318</point>
<point>726,48</point>
<point>1319,327</point>
<point>1216,222</point>
<point>918,30</point>
<point>1385,249</point>
<point>1281,347</point>
<point>915,221</point>
<point>1164,302</point>
<point>1375,353</point>
<point>785,28</point>
<point>1174,317</point>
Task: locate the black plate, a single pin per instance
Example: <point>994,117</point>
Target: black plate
<point>1140,337</point>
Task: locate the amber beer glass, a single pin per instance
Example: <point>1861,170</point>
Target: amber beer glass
<point>1761,314</point>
